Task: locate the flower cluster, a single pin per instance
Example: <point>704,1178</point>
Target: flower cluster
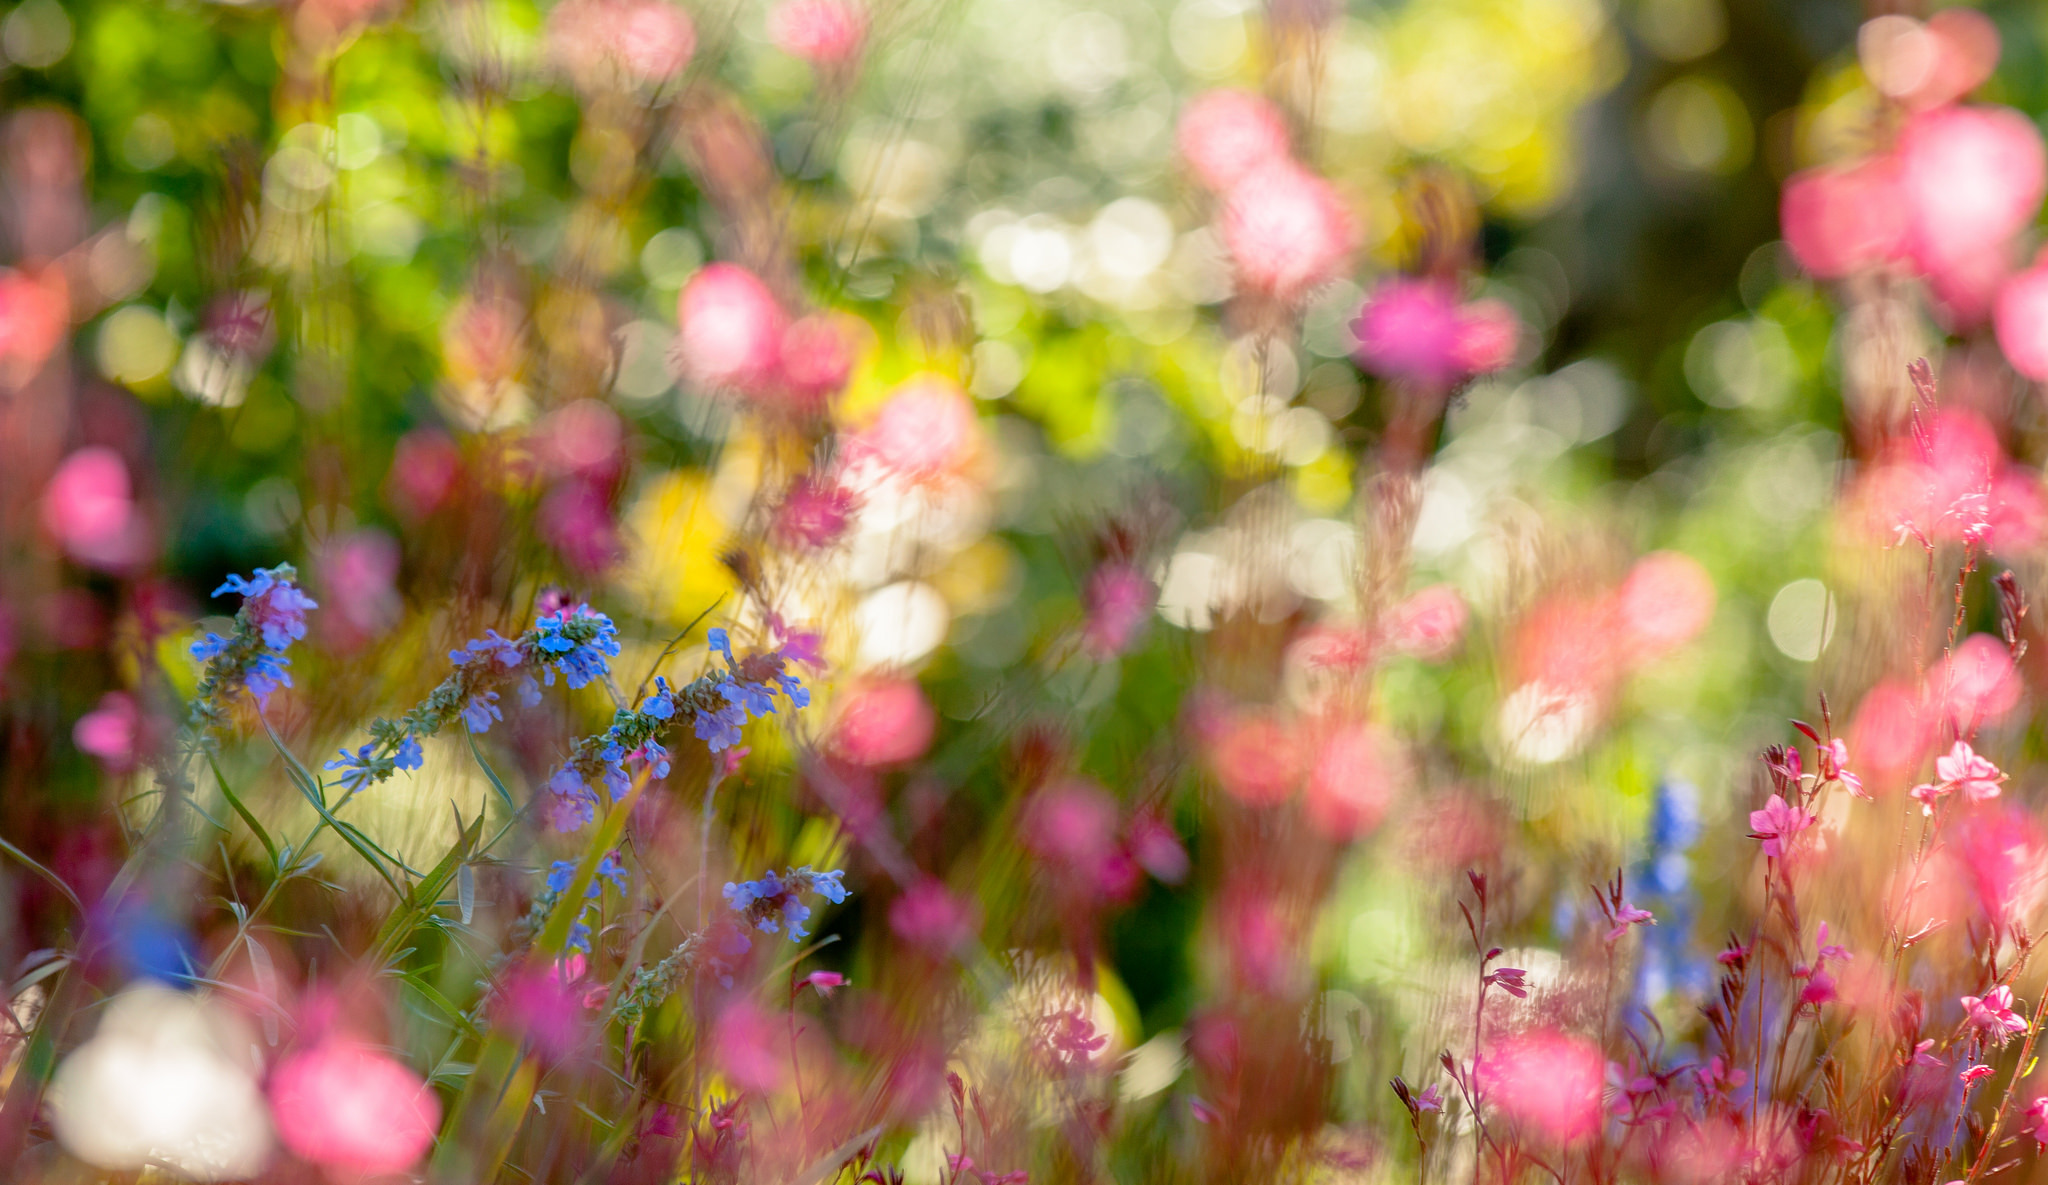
<point>776,902</point>
<point>562,873</point>
<point>272,617</point>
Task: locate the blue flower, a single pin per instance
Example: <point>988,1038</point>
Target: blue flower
<point>359,769</point>
<point>654,754</point>
<point>722,644</point>
<point>775,903</point>
<point>560,873</point>
<point>661,705</point>
<point>409,756</point>
<point>829,885</point>
<point>611,870</point>
<point>793,687</point>
<point>481,710</point>
<point>489,648</point>
<point>208,647</point>
<point>529,691</point>
<point>753,697</point>
<point>720,730</point>
<point>794,914</point>
<point>579,937</point>
<point>266,674</point>
<point>581,662</point>
<point>275,606</point>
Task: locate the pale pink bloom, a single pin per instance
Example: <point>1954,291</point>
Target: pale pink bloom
<point>1980,680</point>
<point>621,42</point>
<point>1839,221</point>
<point>1992,1014</point>
<point>926,431</point>
<point>816,359</point>
<point>1974,1075</point>
<point>931,918</point>
<point>823,982</point>
<point>1119,599</point>
<point>731,329</point>
<point>1825,950</point>
<point>2034,1121</point>
<point>1409,330</point>
<point>346,1106</point>
<point>883,721</point>
<point>357,575</point>
<point>821,32</point>
<point>89,507</point>
<point>2021,319</point>
<point>749,1047</point>
<point>109,733</point>
<point>1228,135</point>
<point>1929,793</point>
<point>1952,484</point>
<point>1628,915</point>
<point>1287,230</point>
<point>2003,857</point>
<point>1964,770</point>
<point>1965,48</point>
<point>1547,1080</point>
<point>1257,756</point>
<point>424,469</point>
<point>1887,729</point>
<point>1834,765</point>
<point>1489,337</point>
<point>815,513</point>
<point>1357,772</point>
<point>576,520</point>
<point>583,439</point>
<point>1430,1099</point>
<point>1971,178</point>
<point>1777,824</point>
<point>1157,848</point>
<point>1663,603</point>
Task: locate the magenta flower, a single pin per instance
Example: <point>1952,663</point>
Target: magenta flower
<point>1777,824</point>
<point>1834,766</point>
<point>1628,915</point>
<point>2034,1122</point>
<point>1963,770</point>
<point>1992,1015</point>
<point>1974,1075</point>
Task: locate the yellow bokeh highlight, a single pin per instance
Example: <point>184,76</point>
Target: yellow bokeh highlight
<point>675,535</point>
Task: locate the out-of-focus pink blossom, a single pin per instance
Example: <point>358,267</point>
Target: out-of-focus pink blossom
<point>2003,856</point>
<point>35,311</point>
<point>1489,337</point>
<point>1777,824</point>
<point>1887,730</point>
<point>1358,770</point>
<point>1119,599</point>
<point>1257,756</point>
<point>620,42</point>
<point>1962,769</point>
<point>424,469</point>
<point>584,439</point>
<point>110,732</point>
<point>1229,135</point>
<point>345,1106</point>
<point>1956,50</point>
<point>1978,681</point>
<point>2034,1122</point>
<point>1287,230</point>
<point>1409,329</point>
<point>576,520</point>
<point>1547,1080</point>
<point>821,32</point>
<point>1664,602</point>
<point>543,1003</point>
<point>1072,825</point>
<point>1992,1015</point>
<point>358,573</point>
<point>1957,485</point>
<point>1839,221</point>
<point>89,507</point>
<point>823,982</point>
<point>2021,320</point>
<point>1157,848</point>
<point>732,329</point>
<point>1971,178</point>
<point>815,513</point>
<point>816,358</point>
<point>926,432</point>
<point>1626,915</point>
<point>1568,643</point>
<point>1429,623</point>
<point>746,1045</point>
<point>928,916</point>
<point>883,721</point>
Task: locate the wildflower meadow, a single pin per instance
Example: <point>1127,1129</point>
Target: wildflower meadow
<point>1023,592</point>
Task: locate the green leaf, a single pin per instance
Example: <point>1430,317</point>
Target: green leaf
<point>490,774</point>
<point>310,787</point>
<point>56,881</point>
<point>235,801</point>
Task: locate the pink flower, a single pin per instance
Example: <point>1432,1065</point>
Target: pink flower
<point>424,469</point>
<point>816,359</point>
<point>109,733</point>
<point>1428,624</point>
<point>883,721</point>
<point>2021,319</point>
<point>1256,756</point>
<point>1979,681</point>
<point>346,1106</point>
<point>927,432</point>
<point>358,573</point>
<point>1287,230</point>
<point>823,982</point>
<point>1157,848</point>
<point>1430,1099</point>
<point>35,312</point>
<point>1963,770</point>
<point>583,439</point>
<point>747,1047</point>
<point>1628,915</point>
<point>1839,221</point>
<point>1664,602</point>
<point>2003,857</point>
<point>1357,772</point>
<point>1971,178</point>
<point>1229,135</point>
<point>2034,1122</point>
<point>1119,598</point>
<point>930,918</point>
<point>1974,1075</point>
<point>1834,765</point>
<point>1819,989</point>
<point>1777,824</point>
<point>621,42</point>
<point>1409,330</point>
<point>1489,337</point>
<point>821,32</point>
<point>1992,1015</point>
<point>1547,1080</point>
<point>732,329</point>
<point>89,507</point>
<point>815,513</point>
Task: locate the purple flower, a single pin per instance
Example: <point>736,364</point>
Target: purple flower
<point>481,710</point>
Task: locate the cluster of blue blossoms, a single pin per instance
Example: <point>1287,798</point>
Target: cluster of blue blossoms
<point>775,902</point>
<point>562,872</point>
<point>744,689</point>
<point>252,657</point>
